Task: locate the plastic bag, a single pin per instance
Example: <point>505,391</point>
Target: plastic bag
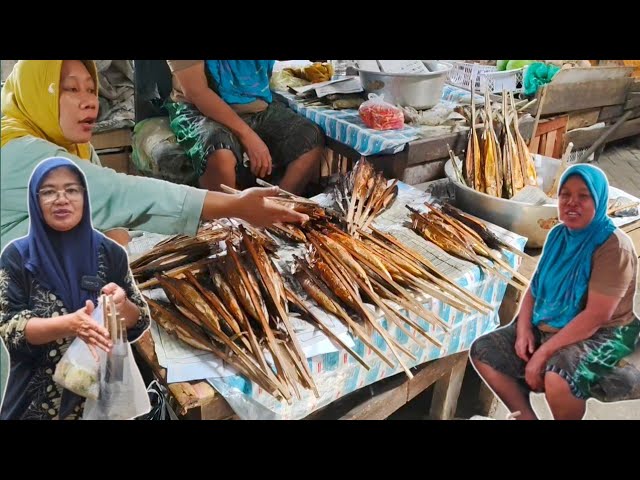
<point>381,115</point>
<point>156,152</point>
<point>78,370</point>
<point>123,395</point>
<point>160,408</point>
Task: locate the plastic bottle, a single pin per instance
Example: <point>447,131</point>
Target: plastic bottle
<point>339,68</point>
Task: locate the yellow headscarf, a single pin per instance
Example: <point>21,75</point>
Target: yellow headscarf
<point>31,106</point>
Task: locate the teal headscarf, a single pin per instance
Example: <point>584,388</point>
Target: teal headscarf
<point>560,283</point>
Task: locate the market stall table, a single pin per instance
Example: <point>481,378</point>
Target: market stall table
<point>412,155</point>
<point>336,374</point>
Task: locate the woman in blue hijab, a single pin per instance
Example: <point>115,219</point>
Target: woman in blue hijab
<point>50,281</point>
<point>576,321</point>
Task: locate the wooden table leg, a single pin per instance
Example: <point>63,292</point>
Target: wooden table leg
<point>447,390</point>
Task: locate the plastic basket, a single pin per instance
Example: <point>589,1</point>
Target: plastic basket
<point>485,77</point>
<point>497,82</point>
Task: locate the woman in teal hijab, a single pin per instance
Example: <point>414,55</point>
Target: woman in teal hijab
<point>576,321</point>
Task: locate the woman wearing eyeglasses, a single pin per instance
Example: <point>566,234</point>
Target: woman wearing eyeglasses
<point>49,109</point>
<point>50,280</point>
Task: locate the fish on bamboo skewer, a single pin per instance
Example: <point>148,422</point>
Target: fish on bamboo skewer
<point>175,323</point>
<point>489,154</point>
<point>318,291</point>
<point>181,245</point>
<point>451,241</point>
<point>452,293</point>
<point>226,322</point>
<point>490,238</point>
<point>195,268</point>
<point>297,302</point>
<point>477,243</point>
<point>361,175</point>
<point>427,269</point>
<point>225,292</point>
<point>188,301</point>
<point>329,256</point>
<point>384,202</point>
<point>288,232</point>
<point>383,264</point>
<point>526,160</point>
<point>511,152</point>
<point>283,366</point>
<point>274,286</point>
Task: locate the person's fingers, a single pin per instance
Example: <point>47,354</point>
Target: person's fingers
<point>291,216</point>
<point>109,288</point>
<point>254,165</point>
<point>100,341</point>
<point>89,307</point>
<point>264,167</point>
<point>265,192</point>
<point>531,346</point>
<point>94,354</point>
<point>99,329</point>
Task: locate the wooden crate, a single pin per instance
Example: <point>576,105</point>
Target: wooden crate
<point>119,161</point>
<point>112,139</point>
<point>549,137</point>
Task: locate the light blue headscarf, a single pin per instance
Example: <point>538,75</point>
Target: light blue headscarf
<point>242,81</point>
<point>561,281</point>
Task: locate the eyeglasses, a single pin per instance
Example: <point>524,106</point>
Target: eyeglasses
<point>72,193</point>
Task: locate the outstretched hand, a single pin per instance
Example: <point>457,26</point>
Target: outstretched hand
<point>258,210</point>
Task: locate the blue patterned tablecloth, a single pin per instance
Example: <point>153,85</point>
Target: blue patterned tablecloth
<point>346,126</point>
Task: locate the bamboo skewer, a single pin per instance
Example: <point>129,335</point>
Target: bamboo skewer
<point>464,229</point>
<point>328,257</point>
<point>271,341</point>
<point>300,362</point>
<point>297,301</point>
<point>440,279</point>
<point>340,313</point>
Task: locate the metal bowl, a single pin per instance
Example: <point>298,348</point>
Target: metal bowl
<point>420,91</point>
<point>531,221</point>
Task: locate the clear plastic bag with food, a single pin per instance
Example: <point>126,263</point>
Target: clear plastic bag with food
<point>78,370</point>
<point>381,115</point>
<point>123,394</point>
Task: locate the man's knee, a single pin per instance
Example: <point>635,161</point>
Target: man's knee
<point>221,160</point>
<point>555,387</point>
<point>477,347</point>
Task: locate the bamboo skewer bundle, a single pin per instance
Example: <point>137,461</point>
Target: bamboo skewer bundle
<point>498,165</point>
<point>455,238</point>
<point>362,195</point>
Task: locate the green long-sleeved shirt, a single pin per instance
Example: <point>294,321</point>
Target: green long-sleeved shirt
<point>117,199</point>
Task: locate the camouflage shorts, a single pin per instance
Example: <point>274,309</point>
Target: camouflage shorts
<point>287,134</point>
<point>583,365</point>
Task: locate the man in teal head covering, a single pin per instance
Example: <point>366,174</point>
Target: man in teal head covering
<point>576,321</point>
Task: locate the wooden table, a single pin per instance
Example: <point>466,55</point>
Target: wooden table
<point>198,400</point>
<point>422,160</point>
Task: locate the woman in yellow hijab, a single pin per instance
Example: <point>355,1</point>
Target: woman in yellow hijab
<point>49,108</point>
<point>30,103</point>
